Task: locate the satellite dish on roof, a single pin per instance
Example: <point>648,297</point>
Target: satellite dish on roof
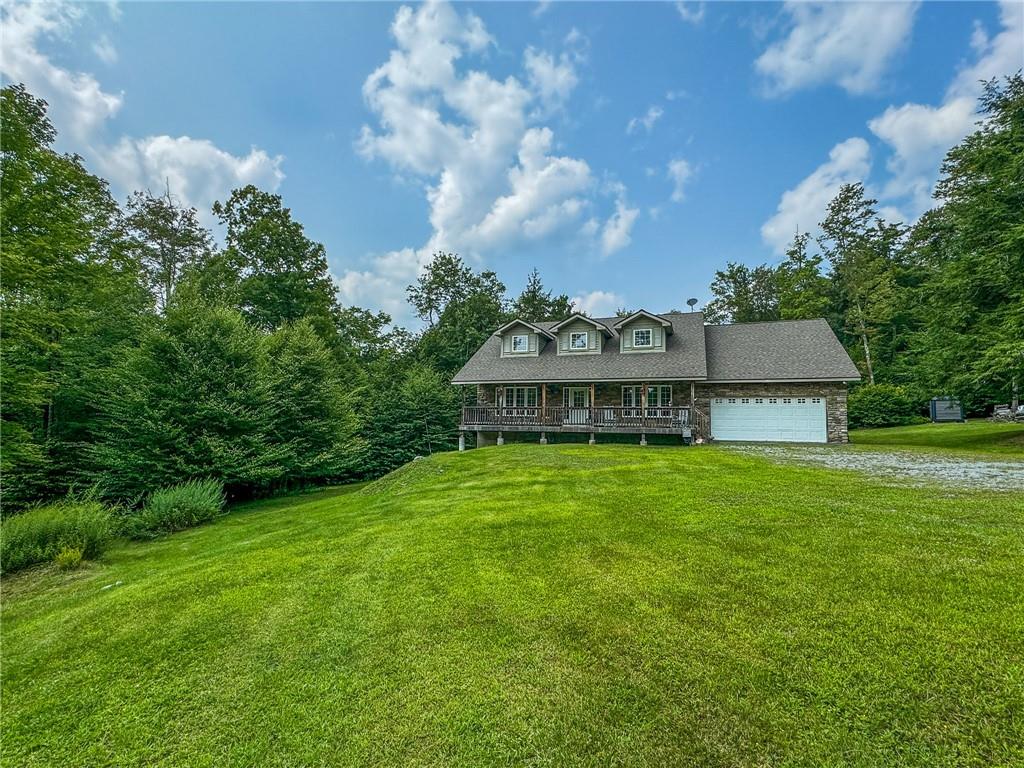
<point>691,303</point>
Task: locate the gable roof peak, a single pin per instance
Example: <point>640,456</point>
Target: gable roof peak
<point>665,323</point>
<point>585,318</point>
<point>532,326</point>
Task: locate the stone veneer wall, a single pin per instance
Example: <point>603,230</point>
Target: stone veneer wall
<point>611,394</point>
<point>833,392</point>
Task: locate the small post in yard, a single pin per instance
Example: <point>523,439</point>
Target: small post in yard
<point>543,438</point>
<point>462,442</point>
<point>501,440</point>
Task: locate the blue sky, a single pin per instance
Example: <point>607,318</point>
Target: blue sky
<point>626,150</point>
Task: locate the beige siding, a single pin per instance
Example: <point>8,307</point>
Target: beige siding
<point>534,342</point>
<point>595,339</point>
<point>657,337</point>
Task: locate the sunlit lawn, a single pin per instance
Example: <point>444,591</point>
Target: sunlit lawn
<point>974,436</point>
<point>540,605</point>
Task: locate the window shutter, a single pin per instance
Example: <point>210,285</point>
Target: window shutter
<point>656,337</point>
<point>592,339</point>
<point>532,344</point>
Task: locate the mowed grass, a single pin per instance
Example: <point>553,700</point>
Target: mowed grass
<point>975,436</point>
<point>540,605</point>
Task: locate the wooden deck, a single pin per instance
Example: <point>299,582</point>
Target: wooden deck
<point>674,420</point>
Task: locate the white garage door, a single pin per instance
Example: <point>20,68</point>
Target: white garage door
<point>776,419</point>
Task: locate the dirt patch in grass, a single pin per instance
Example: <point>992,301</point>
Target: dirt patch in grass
<point>904,466</point>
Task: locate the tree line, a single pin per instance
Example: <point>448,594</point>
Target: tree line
<point>136,352</point>
<point>935,307</point>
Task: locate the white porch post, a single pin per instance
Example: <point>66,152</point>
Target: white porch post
<point>543,413</point>
<point>643,413</point>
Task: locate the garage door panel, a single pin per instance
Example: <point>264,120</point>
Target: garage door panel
<point>764,419</point>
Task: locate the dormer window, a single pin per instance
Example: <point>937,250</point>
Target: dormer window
<point>520,343</point>
<point>643,337</point>
<point>578,340</point>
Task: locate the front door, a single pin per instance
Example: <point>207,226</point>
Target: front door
<point>578,405</point>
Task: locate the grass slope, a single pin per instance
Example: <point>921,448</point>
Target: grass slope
<point>976,436</point>
<point>528,605</point>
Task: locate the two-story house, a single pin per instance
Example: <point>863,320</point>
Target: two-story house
<point>661,374</point>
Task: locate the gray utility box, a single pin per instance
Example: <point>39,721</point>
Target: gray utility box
<point>945,409</point>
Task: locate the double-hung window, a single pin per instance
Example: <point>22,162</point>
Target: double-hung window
<point>521,343</point>
<point>578,340</point>
<point>643,337</point>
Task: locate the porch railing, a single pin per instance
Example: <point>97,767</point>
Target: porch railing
<point>598,417</point>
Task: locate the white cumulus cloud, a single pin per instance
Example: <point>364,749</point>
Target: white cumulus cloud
<point>691,12</point>
<point>916,137</point>
<point>679,172</point>
<point>849,43</point>
<point>197,171</point>
<point>105,50</point>
<point>617,232</point>
<point>78,104</point>
<point>491,175</point>
<point>553,79</point>
<point>803,207</point>
<point>645,121</point>
<point>598,303</point>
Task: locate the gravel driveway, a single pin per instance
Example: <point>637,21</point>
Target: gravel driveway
<point>923,468</point>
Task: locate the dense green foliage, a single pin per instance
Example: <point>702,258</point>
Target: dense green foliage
<point>40,534</point>
<point>137,353</point>
<point>176,508</point>
<point>937,306</point>
<point>71,299</point>
<point>885,405</point>
<point>576,605</point>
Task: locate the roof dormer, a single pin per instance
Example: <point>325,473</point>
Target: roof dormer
<point>521,338</point>
<point>643,331</point>
<point>581,335</point>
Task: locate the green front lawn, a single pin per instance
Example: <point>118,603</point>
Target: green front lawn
<point>540,605</point>
<point>975,436</point>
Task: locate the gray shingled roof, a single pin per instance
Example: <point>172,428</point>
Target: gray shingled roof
<point>683,358</point>
<point>795,350</point>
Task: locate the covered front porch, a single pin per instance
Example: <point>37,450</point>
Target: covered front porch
<point>665,408</point>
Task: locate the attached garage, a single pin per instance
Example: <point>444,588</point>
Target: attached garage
<point>789,419</point>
